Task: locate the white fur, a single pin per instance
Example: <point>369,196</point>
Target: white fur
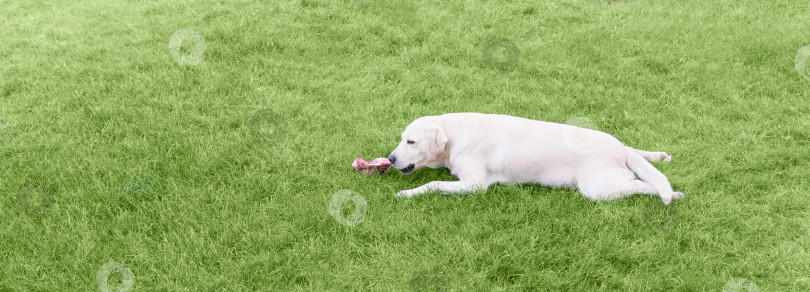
<point>484,149</point>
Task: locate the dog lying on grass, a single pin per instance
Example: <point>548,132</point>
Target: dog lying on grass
<point>485,149</point>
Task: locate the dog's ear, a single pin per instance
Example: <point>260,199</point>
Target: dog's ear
<point>436,141</point>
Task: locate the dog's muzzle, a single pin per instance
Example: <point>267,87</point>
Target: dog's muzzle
<point>408,169</point>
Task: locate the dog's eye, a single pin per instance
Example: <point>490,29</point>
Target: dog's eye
<point>411,142</point>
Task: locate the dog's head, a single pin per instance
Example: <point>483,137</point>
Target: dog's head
<point>422,144</point>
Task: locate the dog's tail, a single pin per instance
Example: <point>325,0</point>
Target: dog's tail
<point>648,173</point>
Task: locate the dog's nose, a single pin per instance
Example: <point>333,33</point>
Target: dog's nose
<point>392,158</point>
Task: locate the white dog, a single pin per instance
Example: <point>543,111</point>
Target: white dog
<point>484,149</point>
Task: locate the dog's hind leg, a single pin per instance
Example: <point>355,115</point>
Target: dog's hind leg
<point>610,184</point>
<point>648,173</point>
<point>653,156</point>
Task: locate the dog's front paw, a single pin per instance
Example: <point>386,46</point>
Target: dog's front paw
<point>405,194</point>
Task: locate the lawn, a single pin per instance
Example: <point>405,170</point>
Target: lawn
<point>205,145</point>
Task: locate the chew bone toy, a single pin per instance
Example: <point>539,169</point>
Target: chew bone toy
<point>379,165</point>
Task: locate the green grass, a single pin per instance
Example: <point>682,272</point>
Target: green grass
<point>112,151</point>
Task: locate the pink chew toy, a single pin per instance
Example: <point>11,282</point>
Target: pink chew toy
<point>379,165</point>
